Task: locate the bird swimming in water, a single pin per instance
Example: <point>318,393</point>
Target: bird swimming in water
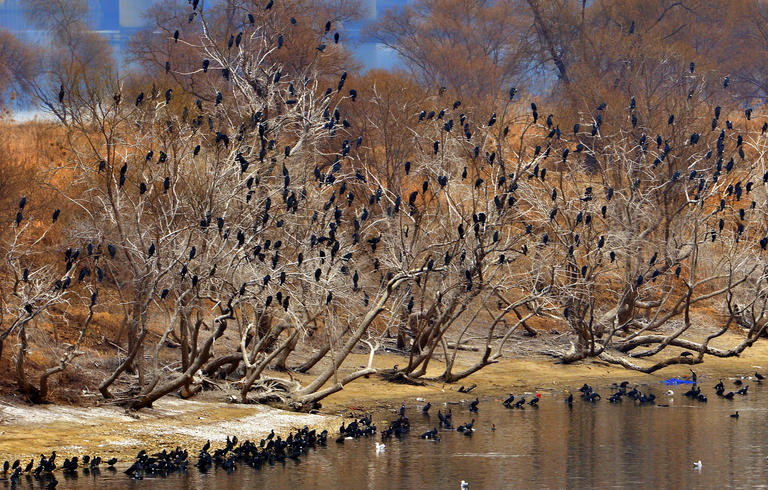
<point>473,405</point>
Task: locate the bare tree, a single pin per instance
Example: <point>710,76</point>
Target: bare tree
<point>70,61</point>
<point>256,214</point>
<point>624,235</point>
<point>476,49</point>
<point>32,289</point>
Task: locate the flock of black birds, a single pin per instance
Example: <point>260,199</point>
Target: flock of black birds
<point>590,395</point>
<point>273,449</point>
<point>268,451</point>
<point>622,390</point>
<point>506,183</point>
<point>44,471</point>
<point>698,181</point>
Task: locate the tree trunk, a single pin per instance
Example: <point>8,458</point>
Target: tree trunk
<point>29,390</point>
<point>317,357</point>
<point>44,379</point>
<point>133,332</point>
<point>543,30</point>
<point>530,330</point>
<point>304,394</point>
<point>104,386</point>
<point>312,398</point>
<point>184,339</point>
<point>449,377</point>
<point>282,358</point>
<point>146,400</point>
<point>213,366</point>
<point>256,371</point>
<point>402,331</point>
<point>577,353</point>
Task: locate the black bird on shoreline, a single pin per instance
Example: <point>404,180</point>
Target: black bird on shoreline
<point>508,400</point>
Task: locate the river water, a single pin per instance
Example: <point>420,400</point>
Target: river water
<point>589,445</point>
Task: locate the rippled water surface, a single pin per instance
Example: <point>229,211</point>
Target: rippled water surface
<point>590,445</point>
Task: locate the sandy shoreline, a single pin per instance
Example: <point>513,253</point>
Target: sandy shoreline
<point>26,431</point>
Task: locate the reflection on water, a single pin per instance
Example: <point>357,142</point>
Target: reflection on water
<point>590,445</point>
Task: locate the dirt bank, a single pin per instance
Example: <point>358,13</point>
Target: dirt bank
<point>541,374</point>
<point>26,431</point>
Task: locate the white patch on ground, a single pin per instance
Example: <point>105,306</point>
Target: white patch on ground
<point>46,414</point>
<point>122,442</point>
<point>70,448</point>
<point>171,418</point>
<point>252,426</point>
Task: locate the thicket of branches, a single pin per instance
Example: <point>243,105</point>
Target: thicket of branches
<point>253,211</point>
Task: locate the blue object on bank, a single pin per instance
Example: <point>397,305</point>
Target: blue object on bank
<point>678,381</point>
